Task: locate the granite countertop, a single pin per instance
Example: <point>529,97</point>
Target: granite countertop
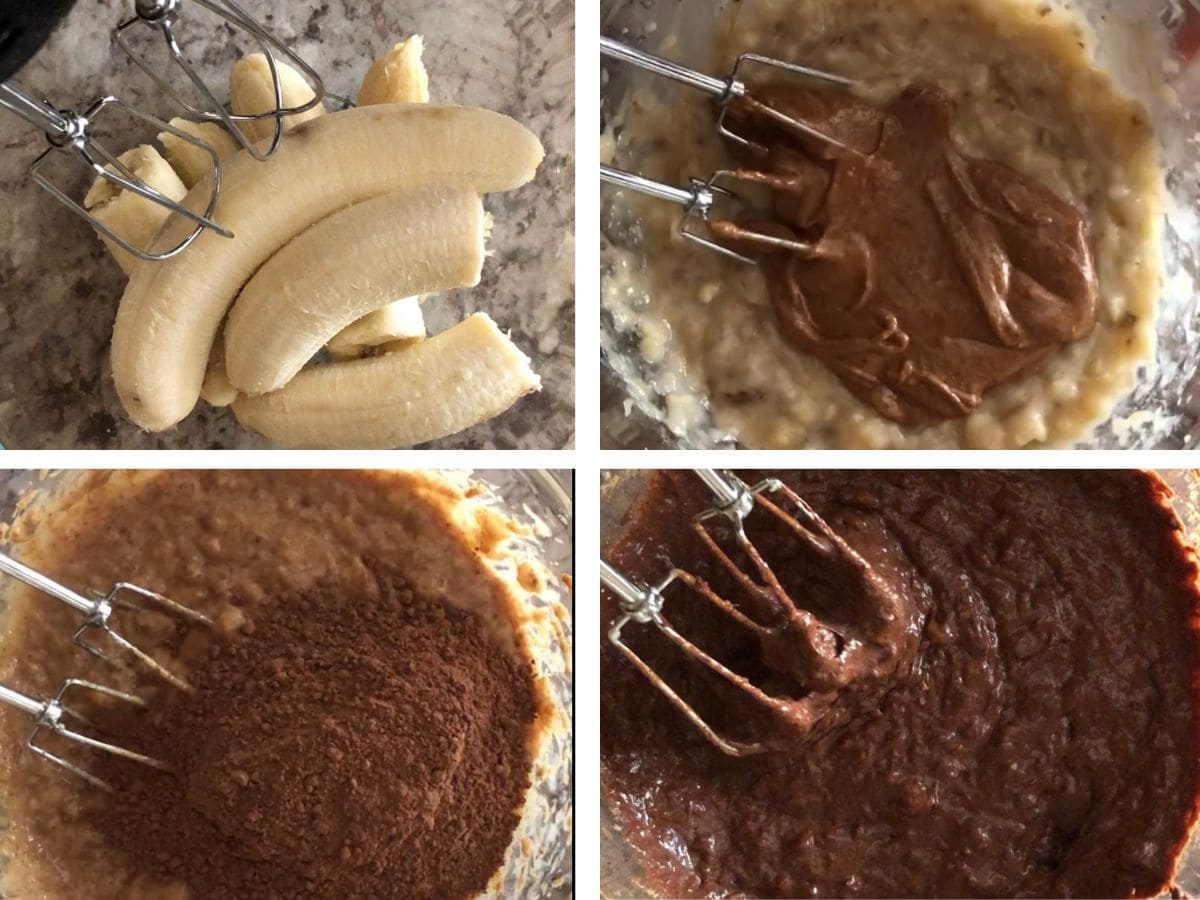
<point>59,289</point>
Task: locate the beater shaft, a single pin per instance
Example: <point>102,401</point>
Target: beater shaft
<point>728,89</point>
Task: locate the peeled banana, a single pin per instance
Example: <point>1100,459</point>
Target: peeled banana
<point>252,91</point>
<point>398,322</point>
<point>347,265</point>
<point>217,389</point>
<point>171,310</point>
<point>398,76</point>
<point>191,162</point>
<point>135,218</point>
<point>433,388</point>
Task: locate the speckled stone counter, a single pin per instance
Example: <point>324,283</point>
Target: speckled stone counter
<point>59,289</point>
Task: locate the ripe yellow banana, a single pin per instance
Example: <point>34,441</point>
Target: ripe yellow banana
<point>133,217</point>
<point>349,264</point>
<point>431,389</point>
<point>252,91</point>
<point>398,76</point>
<point>170,312</point>
<point>189,161</point>
<point>399,322</point>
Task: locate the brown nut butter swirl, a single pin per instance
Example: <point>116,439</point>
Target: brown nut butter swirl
<point>934,276</point>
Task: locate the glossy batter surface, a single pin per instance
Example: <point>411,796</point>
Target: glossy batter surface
<point>921,277</point>
<point>1037,738</point>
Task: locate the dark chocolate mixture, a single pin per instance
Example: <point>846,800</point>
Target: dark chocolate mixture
<point>1038,737</point>
<point>342,745</point>
<point>933,276</point>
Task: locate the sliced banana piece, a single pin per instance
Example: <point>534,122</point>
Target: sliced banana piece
<point>217,389</point>
<point>408,242</point>
<point>252,91</point>
<point>398,76</point>
<point>170,312</point>
<point>434,388</point>
<point>135,218</point>
<point>399,321</point>
<point>190,162</point>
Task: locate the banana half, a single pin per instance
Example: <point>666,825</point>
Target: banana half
<point>347,265</point>
<point>425,391</point>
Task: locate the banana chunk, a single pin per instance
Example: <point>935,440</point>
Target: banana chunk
<point>347,265</point>
<point>133,217</point>
<point>252,91</point>
<point>398,76</point>
<point>171,310</point>
<point>431,389</point>
<point>397,322</point>
<point>190,162</point>
<point>217,389</point>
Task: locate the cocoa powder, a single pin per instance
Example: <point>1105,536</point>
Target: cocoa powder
<point>342,744</point>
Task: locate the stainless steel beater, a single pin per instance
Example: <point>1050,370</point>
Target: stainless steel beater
<point>25,27</point>
<point>53,715</point>
<point>97,613</point>
<point>775,613</point>
<point>699,202</point>
<point>700,197</point>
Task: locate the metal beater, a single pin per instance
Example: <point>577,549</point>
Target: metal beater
<point>97,612</point>
<point>775,615</point>
<point>701,196</point>
<point>24,28</point>
<point>54,714</point>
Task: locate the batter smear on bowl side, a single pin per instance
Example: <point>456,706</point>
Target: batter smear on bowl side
<point>1032,732</point>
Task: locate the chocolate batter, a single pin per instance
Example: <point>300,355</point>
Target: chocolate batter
<point>1038,736</point>
<point>933,276</point>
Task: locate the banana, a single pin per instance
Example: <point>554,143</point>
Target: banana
<point>252,91</point>
<point>189,161</point>
<point>217,389</point>
<point>407,242</point>
<point>431,389</point>
<point>399,322</point>
<point>170,311</point>
<point>398,76</point>
<point>133,217</point>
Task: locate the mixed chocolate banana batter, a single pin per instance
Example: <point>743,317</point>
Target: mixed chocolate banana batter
<point>1019,716</point>
<point>931,276</point>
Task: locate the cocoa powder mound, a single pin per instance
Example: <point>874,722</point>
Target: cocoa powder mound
<point>343,744</point>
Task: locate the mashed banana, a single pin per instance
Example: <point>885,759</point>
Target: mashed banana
<point>1029,95</point>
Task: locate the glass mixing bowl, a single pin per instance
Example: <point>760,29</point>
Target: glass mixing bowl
<point>1133,44</point>
<point>539,860</point>
<point>621,875</point>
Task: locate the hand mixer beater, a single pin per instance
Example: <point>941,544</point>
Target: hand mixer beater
<point>821,658</point>
<point>54,715</point>
<point>699,200</point>
<point>25,26</point>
